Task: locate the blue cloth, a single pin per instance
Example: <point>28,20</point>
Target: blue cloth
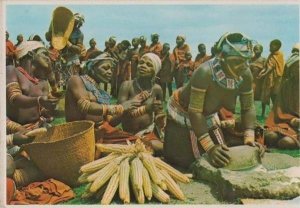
<point>101,96</point>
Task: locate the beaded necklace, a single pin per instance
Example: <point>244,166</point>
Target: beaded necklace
<point>219,76</point>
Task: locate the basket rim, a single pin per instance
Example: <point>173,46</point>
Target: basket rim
<point>67,138</point>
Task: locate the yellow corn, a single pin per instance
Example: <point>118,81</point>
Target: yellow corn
<point>147,184</point>
<point>139,194</point>
<point>159,194</point>
<point>100,172</point>
<point>101,191</point>
<point>150,166</point>
<point>162,184</point>
<point>117,148</point>
<point>136,172</point>
<point>98,164</point>
<point>104,174</point>
<point>171,171</point>
<point>173,186</point>
<point>111,189</point>
<point>124,192</point>
<point>83,178</point>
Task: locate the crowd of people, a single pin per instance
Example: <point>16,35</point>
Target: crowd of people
<point>199,113</point>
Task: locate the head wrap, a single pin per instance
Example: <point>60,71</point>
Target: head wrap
<point>79,17</point>
<point>34,37</point>
<point>292,59</point>
<point>27,46</point>
<point>182,37</point>
<point>235,44</point>
<point>155,60</point>
<point>91,62</point>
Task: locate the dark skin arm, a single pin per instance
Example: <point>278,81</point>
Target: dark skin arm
<point>78,90</point>
<point>217,154</point>
<point>248,117</point>
<point>76,48</point>
<point>23,100</point>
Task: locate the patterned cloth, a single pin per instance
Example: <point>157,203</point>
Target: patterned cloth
<point>101,96</point>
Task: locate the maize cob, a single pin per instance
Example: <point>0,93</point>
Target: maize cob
<point>147,184</point>
<point>150,166</point>
<point>124,192</point>
<point>162,184</point>
<point>114,163</point>
<point>83,178</point>
<point>173,186</point>
<point>171,171</point>
<point>159,194</point>
<point>139,194</point>
<point>98,164</point>
<point>118,148</point>
<point>111,189</point>
<point>136,172</point>
<point>105,174</point>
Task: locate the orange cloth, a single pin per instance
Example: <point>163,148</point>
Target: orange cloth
<point>276,61</point>
<point>48,192</point>
<point>10,48</point>
<point>199,60</point>
<point>143,50</point>
<point>278,121</point>
<point>10,190</point>
<point>179,53</point>
<point>108,134</point>
<point>156,48</point>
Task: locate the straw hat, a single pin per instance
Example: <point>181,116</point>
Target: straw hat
<point>61,151</point>
<point>27,46</point>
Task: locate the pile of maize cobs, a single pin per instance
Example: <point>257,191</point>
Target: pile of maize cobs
<point>130,169</point>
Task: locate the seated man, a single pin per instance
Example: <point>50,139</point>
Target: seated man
<point>141,121</point>
<point>193,125</point>
<point>86,101</point>
<point>283,121</point>
<point>27,88</point>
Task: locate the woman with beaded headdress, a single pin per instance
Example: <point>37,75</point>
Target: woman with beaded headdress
<point>193,125</point>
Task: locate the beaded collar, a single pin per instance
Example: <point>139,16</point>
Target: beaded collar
<point>219,76</point>
<point>91,86</point>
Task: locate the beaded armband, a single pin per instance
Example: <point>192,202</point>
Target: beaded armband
<point>13,90</point>
<point>197,100</point>
<point>249,136</point>
<point>206,142</point>
<point>84,105</point>
<point>9,139</point>
<point>138,112</point>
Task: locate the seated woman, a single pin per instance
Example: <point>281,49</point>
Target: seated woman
<point>143,120</point>
<point>283,121</point>
<point>86,101</point>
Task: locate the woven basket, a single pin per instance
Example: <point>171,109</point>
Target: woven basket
<point>61,152</point>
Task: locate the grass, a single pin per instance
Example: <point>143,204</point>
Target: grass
<point>60,119</point>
